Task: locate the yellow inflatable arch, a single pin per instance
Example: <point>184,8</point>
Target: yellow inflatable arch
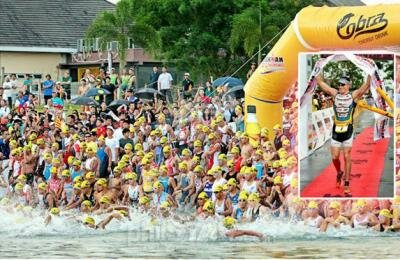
<point>317,29</point>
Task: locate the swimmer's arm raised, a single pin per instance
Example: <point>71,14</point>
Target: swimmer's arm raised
<point>361,90</point>
<point>325,87</point>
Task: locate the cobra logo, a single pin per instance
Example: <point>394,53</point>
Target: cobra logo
<point>348,26</point>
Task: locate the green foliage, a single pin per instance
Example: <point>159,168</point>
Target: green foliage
<point>204,37</point>
<point>334,70</point>
<point>120,25</point>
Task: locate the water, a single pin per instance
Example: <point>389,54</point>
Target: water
<point>27,237</point>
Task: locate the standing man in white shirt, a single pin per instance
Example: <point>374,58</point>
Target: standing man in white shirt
<point>165,84</point>
<point>113,143</point>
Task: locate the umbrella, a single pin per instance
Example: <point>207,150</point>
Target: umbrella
<point>119,102</point>
<point>229,81</point>
<point>84,101</point>
<point>96,92</point>
<point>235,92</point>
<point>147,93</point>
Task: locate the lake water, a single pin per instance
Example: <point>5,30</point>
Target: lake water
<point>27,237</point>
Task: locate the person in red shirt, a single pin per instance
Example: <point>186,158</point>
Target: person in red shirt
<point>237,159</point>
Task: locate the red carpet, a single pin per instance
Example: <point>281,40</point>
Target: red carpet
<point>368,158</point>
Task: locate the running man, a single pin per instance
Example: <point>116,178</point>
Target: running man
<point>342,133</point>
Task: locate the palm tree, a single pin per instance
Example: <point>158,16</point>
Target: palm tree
<point>120,25</point>
<point>255,25</point>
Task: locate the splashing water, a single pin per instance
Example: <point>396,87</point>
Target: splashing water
<point>25,235</point>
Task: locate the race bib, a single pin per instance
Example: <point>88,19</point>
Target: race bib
<point>341,128</point>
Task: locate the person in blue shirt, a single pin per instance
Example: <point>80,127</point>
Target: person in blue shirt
<point>48,85</point>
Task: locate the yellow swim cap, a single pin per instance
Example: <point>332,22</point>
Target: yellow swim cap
<point>102,182</point>
<point>183,166</point>
<point>230,163</point>
<point>254,197</point>
<point>22,177</point>
<point>53,169</point>
<point>128,146</point>
<point>361,203</point>
<point>215,169</point>
<point>138,147</point>
<point>55,211</point>
<point>185,152</point>
<point>70,159</point>
<point>77,185</point>
<point>125,158</point>
<point>76,163</point>
<point>278,180</point>
<point>105,200</point>
<point>19,186</point>
<point>122,164</point>
<point>165,205</point>
<point>145,161</point>
<point>149,155</point>
<point>208,206</point>
<point>232,182</point>
<point>235,150</point>
<point>163,140</point>
<point>42,186</point>
<point>90,175</point>
<point>386,213</point>
<point>55,160</point>
<point>195,159</point>
<point>243,196</point>
<point>198,169</point>
<point>335,205</point>
<point>197,143</point>
<point>202,195</point>
<point>130,176</point>
<point>229,222</point>
<point>313,204</point>
<point>89,220</point>
<point>144,200</point>
<point>85,184</point>
<point>65,173</point>
<point>86,203</point>
<point>78,179</point>
<point>157,185</point>
<point>166,149</point>
<point>276,164</point>
<point>222,156</point>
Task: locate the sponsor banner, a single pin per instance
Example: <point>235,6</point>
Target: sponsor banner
<point>319,128</point>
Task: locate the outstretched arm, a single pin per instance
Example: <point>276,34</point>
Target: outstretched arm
<point>325,87</point>
<point>364,88</point>
<point>238,233</point>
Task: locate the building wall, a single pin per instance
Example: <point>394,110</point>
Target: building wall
<point>32,63</point>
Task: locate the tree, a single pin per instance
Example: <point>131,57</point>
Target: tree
<point>261,21</point>
<point>120,25</point>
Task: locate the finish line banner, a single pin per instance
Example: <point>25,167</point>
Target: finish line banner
<point>381,129</point>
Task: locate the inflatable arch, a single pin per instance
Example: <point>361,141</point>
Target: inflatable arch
<point>317,29</point>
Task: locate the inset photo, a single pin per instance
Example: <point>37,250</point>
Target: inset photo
<point>346,114</point>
